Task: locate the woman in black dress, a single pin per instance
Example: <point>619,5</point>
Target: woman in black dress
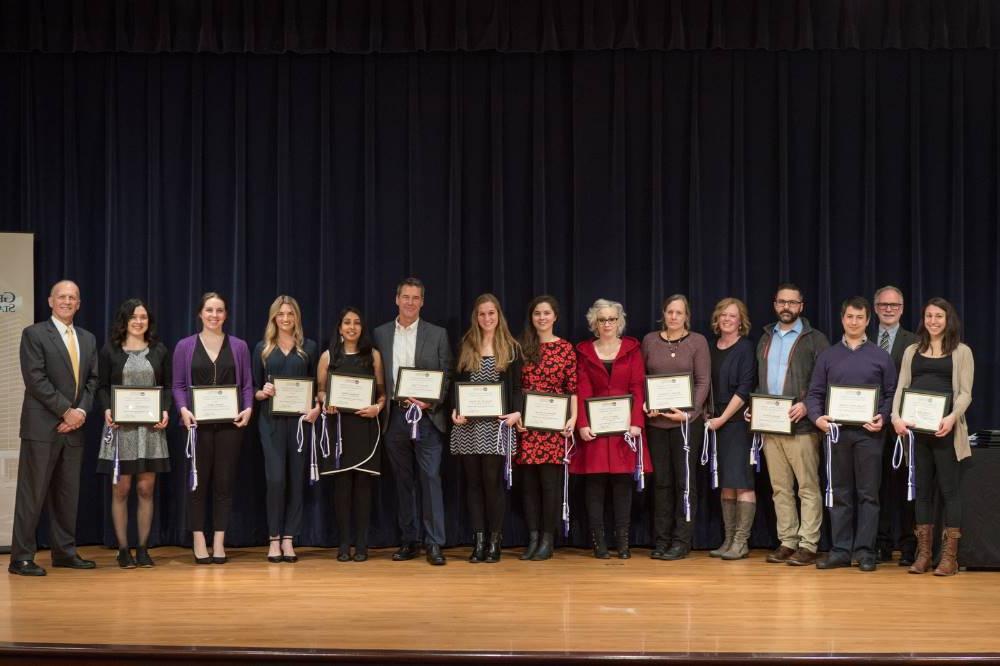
<point>284,352</point>
<point>734,371</point>
<point>133,356</point>
<point>351,352</point>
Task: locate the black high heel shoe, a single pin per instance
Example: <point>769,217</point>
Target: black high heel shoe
<point>275,559</point>
<point>291,559</point>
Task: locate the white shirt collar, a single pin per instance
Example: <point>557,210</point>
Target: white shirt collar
<point>891,330</point>
<point>407,329</point>
<point>61,327</point>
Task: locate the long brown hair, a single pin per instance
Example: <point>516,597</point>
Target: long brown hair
<point>530,345</point>
<point>952,335</point>
<point>505,347</point>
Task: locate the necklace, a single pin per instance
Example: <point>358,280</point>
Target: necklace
<point>672,345</point>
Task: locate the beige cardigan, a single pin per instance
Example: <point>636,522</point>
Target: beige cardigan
<point>963,369</point>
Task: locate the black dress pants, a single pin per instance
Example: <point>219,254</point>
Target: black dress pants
<point>218,452</point>
<point>857,469</point>
<point>352,492</point>
<point>671,473</point>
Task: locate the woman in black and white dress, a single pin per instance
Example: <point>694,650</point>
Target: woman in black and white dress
<point>488,354</point>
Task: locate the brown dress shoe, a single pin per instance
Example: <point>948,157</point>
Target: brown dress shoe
<point>780,555</point>
<point>802,558</point>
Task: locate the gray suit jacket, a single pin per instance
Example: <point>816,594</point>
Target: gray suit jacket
<point>49,388</point>
<point>432,353</point>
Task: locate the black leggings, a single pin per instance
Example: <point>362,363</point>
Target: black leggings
<point>353,490</point>
<point>937,468</point>
<point>621,499</point>
<point>485,492</point>
<point>218,452</point>
<point>542,495</point>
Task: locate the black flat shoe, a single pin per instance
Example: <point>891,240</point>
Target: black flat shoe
<point>25,568</point>
<point>406,552</point>
<point>203,560</point>
<point>676,552</point>
<point>75,562</point>
<point>125,559</point>
<point>142,557</point>
<point>360,554</point>
<point>344,554</point>
<point>219,560</point>
<point>435,556</point>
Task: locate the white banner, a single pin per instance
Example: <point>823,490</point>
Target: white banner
<point>17,310</point>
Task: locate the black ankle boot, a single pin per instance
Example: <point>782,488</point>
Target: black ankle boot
<point>529,552</point>
<point>478,547</point>
<point>623,552</point>
<point>544,551</point>
<point>600,545</point>
<point>124,558</point>
<point>496,544</point>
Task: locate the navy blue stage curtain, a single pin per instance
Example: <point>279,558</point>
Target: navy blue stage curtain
<point>618,173</point>
<point>405,26</point>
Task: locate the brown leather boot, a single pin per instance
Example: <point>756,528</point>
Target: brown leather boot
<point>922,561</point>
<point>949,553</point>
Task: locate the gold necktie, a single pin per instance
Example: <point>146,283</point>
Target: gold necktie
<point>74,358</point>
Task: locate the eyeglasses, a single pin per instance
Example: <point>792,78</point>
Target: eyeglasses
<point>607,320</point>
<point>889,306</point>
<point>787,304</point>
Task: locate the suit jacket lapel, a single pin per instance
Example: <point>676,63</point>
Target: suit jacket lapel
<point>422,333</point>
<point>60,344</point>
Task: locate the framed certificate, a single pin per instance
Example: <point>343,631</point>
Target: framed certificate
<point>851,405</point>
<point>350,392</point>
<point>924,409</point>
<point>215,404</point>
<point>664,392</point>
<point>611,415</point>
<point>479,400</point>
<point>424,385</point>
<point>769,413</point>
<point>292,395</point>
<point>547,412</point>
<point>138,405</point>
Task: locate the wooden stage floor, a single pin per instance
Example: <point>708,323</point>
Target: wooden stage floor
<point>572,605</point>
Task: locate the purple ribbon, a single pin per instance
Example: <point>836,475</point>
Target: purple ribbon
<point>635,443</point>
<point>911,463</point>
<point>569,445</point>
<point>832,437</point>
<point>191,451</point>
<point>413,416</point>
<point>710,454</point>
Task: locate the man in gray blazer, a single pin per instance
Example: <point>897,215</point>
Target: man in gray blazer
<point>59,367</point>
<point>409,341</point>
<point>893,338</point>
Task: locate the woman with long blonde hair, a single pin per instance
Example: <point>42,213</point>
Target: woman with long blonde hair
<point>284,352</point>
<point>488,354</point>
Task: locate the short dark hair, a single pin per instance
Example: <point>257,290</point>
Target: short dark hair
<point>858,303</point>
<point>790,286</point>
<point>410,282</point>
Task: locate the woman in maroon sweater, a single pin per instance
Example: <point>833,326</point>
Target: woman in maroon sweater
<point>676,349</point>
<point>608,366</point>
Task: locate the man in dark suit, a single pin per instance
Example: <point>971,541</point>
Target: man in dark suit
<point>893,338</point>
<point>409,341</point>
<point>59,367</point>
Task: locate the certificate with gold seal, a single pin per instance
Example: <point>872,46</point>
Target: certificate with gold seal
<point>476,400</point>
<point>423,385</point>
<point>611,415</point>
<point>924,409</point>
<point>292,395</point>
<point>769,413</point>
<point>547,412</point>
<point>215,404</point>
<point>851,404</point>
<point>674,391</point>
<point>350,392</point>
<point>137,405</point>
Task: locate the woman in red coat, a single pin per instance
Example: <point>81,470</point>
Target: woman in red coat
<point>608,366</point>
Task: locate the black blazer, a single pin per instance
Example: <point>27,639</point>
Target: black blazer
<point>111,362</point>
<point>510,377</point>
<point>904,339</point>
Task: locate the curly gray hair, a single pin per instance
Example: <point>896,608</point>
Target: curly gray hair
<point>601,304</point>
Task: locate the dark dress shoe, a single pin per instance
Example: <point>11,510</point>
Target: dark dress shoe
<point>203,560</point>
<point>125,559</point>
<point>75,562</point>
<point>884,553</point>
<point>275,559</point>
<point>361,554</point>
<point>802,558</point>
<point>833,562</point>
<point>406,552</point>
<point>25,568</point>
<point>545,547</point>
<point>291,559</point>
<point>781,554</point>
<point>659,550</point>
<point>867,563</point>
<point>678,551</point>
<point>142,557</point>
<point>219,560</point>
<point>434,555</point>
<point>907,557</point>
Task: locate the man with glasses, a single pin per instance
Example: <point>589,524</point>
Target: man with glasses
<point>893,338</point>
<point>786,354</point>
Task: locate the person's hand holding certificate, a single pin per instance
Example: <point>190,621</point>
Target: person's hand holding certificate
<point>609,416</point>
<point>350,392</point>
<point>666,392</point>
<point>215,404</point>
<point>292,395</point>
<point>548,412</point>
<point>852,405</point>
<point>136,405</point>
<point>923,411</point>
<point>418,384</point>
<point>479,400</point>
<point>771,413</point>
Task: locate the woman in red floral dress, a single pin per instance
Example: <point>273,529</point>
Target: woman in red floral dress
<point>549,367</point>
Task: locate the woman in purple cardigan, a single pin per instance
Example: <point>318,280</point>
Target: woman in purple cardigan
<point>212,358</point>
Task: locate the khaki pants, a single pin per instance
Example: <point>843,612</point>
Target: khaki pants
<point>794,459</point>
